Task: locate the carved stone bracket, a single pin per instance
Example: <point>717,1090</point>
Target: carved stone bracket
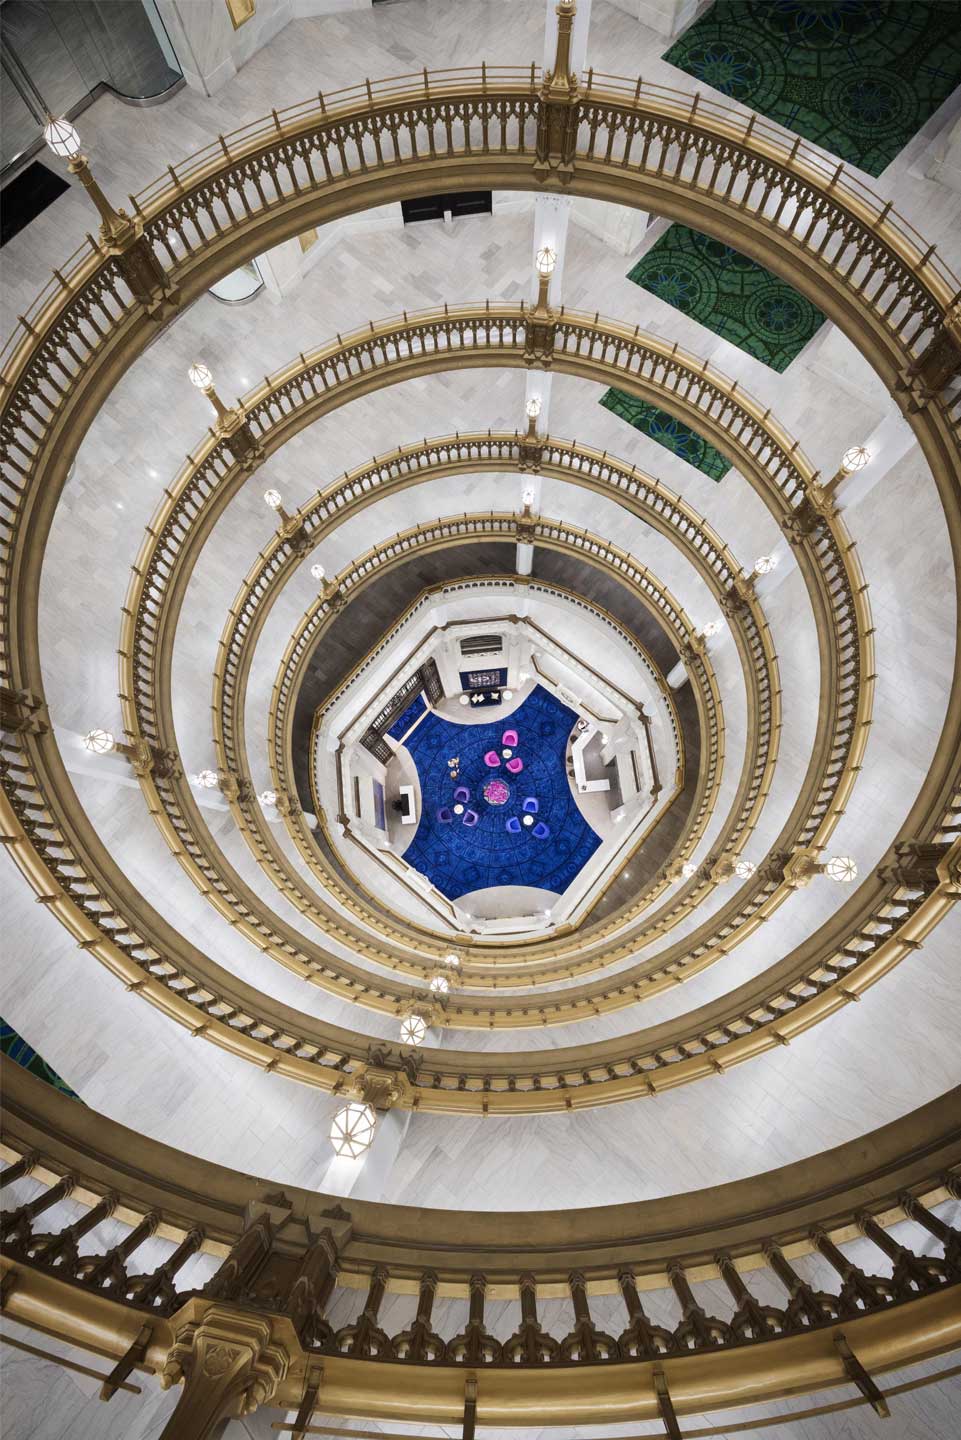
<point>145,276</point>
<point>920,866</point>
<point>796,868</point>
<point>241,441</point>
<point>382,1082</point>
<point>147,759</point>
<point>525,529</point>
<point>294,531</point>
<point>808,519</point>
<point>333,597</point>
<point>559,112</point>
<point>230,1364</point>
<point>235,789</point>
<point>530,455</point>
<point>539,338</point>
<point>735,600</point>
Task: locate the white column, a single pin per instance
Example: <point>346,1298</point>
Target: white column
<point>525,559</point>
<point>667,17</point>
<point>677,676</point>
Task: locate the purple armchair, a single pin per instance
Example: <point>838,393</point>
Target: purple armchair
<point>445,815</point>
<point>461,795</point>
<point>470,819</point>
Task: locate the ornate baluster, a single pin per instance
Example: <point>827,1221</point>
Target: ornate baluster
<point>697,1329</point>
<point>912,1274</point>
<point>860,1291</point>
<point>474,1346</point>
<point>146,1289</point>
<point>365,1337</point>
<point>312,1289</point>
<point>948,1236</point>
<point>585,1342</point>
<point>109,1271</point>
<point>751,1319</point>
<point>18,1169</point>
<point>419,1341</point>
<point>244,1261</point>
<point>807,1306</point>
<point>15,1227</point>
<point>48,1249</point>
<point>640,1340</point>
<point>529,1344</point>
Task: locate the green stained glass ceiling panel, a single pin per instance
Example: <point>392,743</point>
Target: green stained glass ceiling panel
<point>859,77</point>
<point>729,294</point>
<point>673,434</point>
<point>16,1048</point>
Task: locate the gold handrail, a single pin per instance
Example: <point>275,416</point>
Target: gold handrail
<point>729,1233</point>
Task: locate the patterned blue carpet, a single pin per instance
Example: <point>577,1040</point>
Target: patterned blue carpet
<point>459,858</point>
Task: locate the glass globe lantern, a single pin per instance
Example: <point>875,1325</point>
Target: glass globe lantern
<point>854,459</point>
<point>98,742</point>
<point>272,499</point>
<point>688,869</point>
<point>206,779</point>
<point>352,1129</point>
<point>440,984</point>
<point>713,627</point>
<point>764,564</point>
<point>533,407</point>
<point>452,960</point>
<point>318,572</point>
<point>744,869</point>
<point>63,139</point>
<point>199,375</point>
<point>528,497</point>
<point>267,797</point>
<point>413,1028</point>
<point>841,868</point>
<point>546,260</point>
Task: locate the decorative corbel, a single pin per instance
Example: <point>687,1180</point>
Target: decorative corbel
<point>559,111</point>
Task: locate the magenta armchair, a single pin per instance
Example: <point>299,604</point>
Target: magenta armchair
<point>516,765</point>
<point>492,759</point>
<point>509,738</point>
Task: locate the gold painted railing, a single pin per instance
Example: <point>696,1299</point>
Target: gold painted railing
<point>417,464</point>
<point>906,903</point>
<point>314,1272</point>
<point>175,810</point>
<point>300,392</point>
<point>845,250</point>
